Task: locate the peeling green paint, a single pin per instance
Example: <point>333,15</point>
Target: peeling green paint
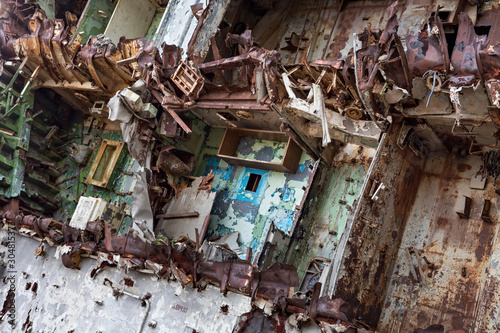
<point>326,213</point>
<point>46,179</point>
<point>49,7</point>
<point>154,24</point>
<point>261,150</point>
<point>15,118</point>
<point>92,24</point>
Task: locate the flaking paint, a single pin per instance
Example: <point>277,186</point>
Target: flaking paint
<point>251,213</point>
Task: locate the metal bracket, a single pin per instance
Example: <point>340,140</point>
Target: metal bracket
<point>485,215</point>
<point>465,214</point>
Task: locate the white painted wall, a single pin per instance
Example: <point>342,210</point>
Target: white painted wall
<point>66,299</point>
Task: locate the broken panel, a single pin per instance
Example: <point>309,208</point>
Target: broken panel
<point>90,209</point>
<point>189,213</point>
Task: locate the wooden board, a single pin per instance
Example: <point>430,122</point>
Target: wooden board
<point>231,140</point>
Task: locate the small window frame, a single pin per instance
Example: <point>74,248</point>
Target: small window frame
<point>253,182</point>
<point>111,165</point>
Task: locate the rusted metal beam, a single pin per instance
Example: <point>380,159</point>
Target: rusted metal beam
<point>127,61</point>
<point>178,216</point>
<point>228,63</point>
<point>174,114</point>
<point>177,119</point>
<point>215,51</point>
<point>337,64</point>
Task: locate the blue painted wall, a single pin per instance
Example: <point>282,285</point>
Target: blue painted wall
<point>251,213</point>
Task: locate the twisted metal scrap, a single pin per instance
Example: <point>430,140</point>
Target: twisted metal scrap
<point>491,165</point>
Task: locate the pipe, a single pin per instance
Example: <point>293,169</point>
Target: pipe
<point>148,306</point>
<point>432,91</point>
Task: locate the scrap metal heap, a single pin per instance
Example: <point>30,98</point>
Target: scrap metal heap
<point>57,59</point>
<point>180,261</point>
<point>440,87</point>
<point>378,80</point>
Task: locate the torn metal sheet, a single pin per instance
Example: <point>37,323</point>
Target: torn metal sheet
<point>365,130</point>
<point>66,294</point>
<point>273,283</point>
<point>50,44</point>
<point>177,24</point>
<point>140,206</point>
<point>206,28</point>
<point>193,199</point>
<point>136,130</point>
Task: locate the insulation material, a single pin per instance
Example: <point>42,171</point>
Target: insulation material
<point>141,207</point>
<point>118,110</point>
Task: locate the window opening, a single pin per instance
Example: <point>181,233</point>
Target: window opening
<point>253,182</point>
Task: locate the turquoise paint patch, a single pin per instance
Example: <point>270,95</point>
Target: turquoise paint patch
<point>255,243</point>
<point>212,164</point>
<point>288,195</point>
<point>282,218</point>
<point>249,196</point>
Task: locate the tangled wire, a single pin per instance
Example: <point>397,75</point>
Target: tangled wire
<point>491,165</point>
